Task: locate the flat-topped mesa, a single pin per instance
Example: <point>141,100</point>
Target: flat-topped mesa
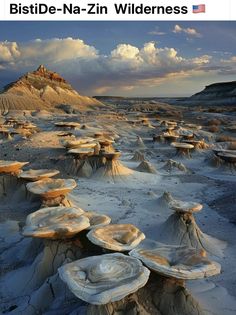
<point>52,191</point>
<point>181,229</point>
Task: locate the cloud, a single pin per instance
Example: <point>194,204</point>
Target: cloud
<point>190,31</point>
<point>51,50</point>
<point>126,67</point>
<point>8,52</point>
<point>156,31</point>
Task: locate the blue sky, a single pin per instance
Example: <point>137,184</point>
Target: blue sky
<point>123,58</point>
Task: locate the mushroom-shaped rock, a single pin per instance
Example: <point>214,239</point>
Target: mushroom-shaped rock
<point>146,167</point>
<point>52,191</point>
<point>75,143</point>
<point>105,278</point>
<point>182,148</point>
<point>51,188</point>
<point>169,137</point>
<point>117,237</point>
<point>96,219</point>
<point>185,206</point>
<point>178,262</point>
<point>11,167</point>
<point>181,229</point>
<point>35,175</point>
<point>82,152</point>
<point>227,157</point>
<point>112,167</point>
<point>55,223</point>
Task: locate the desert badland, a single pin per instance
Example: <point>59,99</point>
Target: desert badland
<point>116,205</point>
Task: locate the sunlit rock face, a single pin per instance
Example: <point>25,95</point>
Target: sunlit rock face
<point>117,237</point>
<point>42,89</point>
<point>55,223</point>
<point>178,262</point>
<point>35,175</point>
<point>105,278</point>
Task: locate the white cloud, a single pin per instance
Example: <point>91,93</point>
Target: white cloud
<point>156,31</point>
<point>126,67</point>
<point>40,51</point>
<point>190,31</point>
<point>8,51</point>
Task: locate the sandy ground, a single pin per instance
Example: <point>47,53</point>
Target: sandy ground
<point>134,199</point>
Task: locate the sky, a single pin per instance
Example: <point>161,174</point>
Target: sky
<point>122,58</point>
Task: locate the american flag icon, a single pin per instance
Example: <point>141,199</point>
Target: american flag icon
<point>200,8</point>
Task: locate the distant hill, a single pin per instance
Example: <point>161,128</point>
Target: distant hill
<point>42,89</point>
<point>223,93</point>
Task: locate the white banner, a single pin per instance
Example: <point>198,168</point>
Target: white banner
<point>117,10</point>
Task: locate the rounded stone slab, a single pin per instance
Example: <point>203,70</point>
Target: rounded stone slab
<point>82,151</point>
<point>73,143</point>
<point>96,219</point>
<point>55,223</point>
<point>182,145</point>
<point>117,237</point>
<point>35,175</point>
<point>228,157</point>
<point>185,206</point>
<point>103,279</point>
<point>179,262</point>
<point>51,188</point>
<point>217,151</point>
<point>11,166</point>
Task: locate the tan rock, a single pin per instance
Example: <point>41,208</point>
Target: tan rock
<point>105,278</point>
<point>117,237</point>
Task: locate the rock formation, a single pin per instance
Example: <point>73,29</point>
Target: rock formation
<point>223,93</point>
<point>42,89</point>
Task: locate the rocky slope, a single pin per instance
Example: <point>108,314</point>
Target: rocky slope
<point>42,89</point>
<point>223,93</point>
